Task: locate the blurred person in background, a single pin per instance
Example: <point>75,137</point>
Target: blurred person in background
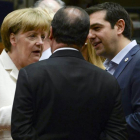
<point>23,33</point>
<point>51,6</point>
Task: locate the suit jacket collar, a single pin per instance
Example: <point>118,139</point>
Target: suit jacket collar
<point>125,61</point>
<point>67,53</point>
<point>9,65</point>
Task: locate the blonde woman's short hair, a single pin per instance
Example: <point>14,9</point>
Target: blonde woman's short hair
<point>24,20</point>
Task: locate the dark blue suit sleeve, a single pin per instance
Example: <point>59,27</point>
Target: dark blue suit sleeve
<point>133,119</point>
<point>22,113</point>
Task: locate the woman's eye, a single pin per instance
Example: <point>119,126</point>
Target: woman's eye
<point>43,37</point>
<point>32,35</point>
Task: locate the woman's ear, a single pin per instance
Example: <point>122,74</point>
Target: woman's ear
<point>86,41</point>
<point>13,39</point>
<point>120,26</point>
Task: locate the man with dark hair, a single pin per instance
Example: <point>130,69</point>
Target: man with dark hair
<point>110,35</point>
<point>65,97</point>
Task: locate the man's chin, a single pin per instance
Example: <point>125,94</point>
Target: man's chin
<point>99,53</point>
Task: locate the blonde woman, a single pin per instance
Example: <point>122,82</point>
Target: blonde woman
<point>23,33</point>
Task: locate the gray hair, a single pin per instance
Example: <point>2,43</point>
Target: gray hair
<point>60,2</point>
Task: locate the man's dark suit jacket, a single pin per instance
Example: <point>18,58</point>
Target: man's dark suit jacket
<point>67,98</point>
<point>128,77</point>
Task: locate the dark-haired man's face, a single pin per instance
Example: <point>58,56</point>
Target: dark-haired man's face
<point>102,36</point>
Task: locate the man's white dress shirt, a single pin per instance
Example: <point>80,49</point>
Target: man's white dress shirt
<point>46,54</point>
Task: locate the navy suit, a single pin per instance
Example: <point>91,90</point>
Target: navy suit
<point>128,77</point>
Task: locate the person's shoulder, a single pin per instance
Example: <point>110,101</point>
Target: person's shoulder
<point>1,67</point>
<point>102,74</point>
<point>135,49</point>
<point>34,70</point>
<point>36,65</point>
<point>137,54</point>
<point>1,64</point>
<point>133,55</point>
<point>108,83</point>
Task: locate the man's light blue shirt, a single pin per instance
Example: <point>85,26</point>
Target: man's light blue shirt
<point>112,65</point>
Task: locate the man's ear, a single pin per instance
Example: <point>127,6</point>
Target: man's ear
<point>51,35</point>
<point>120,26</point>
<point>13,39</point>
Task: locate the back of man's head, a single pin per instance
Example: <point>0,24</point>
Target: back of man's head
<point>114,12</point>
<point>53,5</point>
<point>70,26</point>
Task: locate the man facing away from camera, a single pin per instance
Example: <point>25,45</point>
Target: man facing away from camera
<point>77,102</point>
<point>52,6</point>
<point>110,34</point>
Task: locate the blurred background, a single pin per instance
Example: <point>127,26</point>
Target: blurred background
<point>132,6</point>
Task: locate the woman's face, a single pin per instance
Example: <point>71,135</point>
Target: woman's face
<point>28,46</point>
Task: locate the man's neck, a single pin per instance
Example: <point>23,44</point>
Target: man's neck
<point>55,46</point>
<point>122,43</point>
